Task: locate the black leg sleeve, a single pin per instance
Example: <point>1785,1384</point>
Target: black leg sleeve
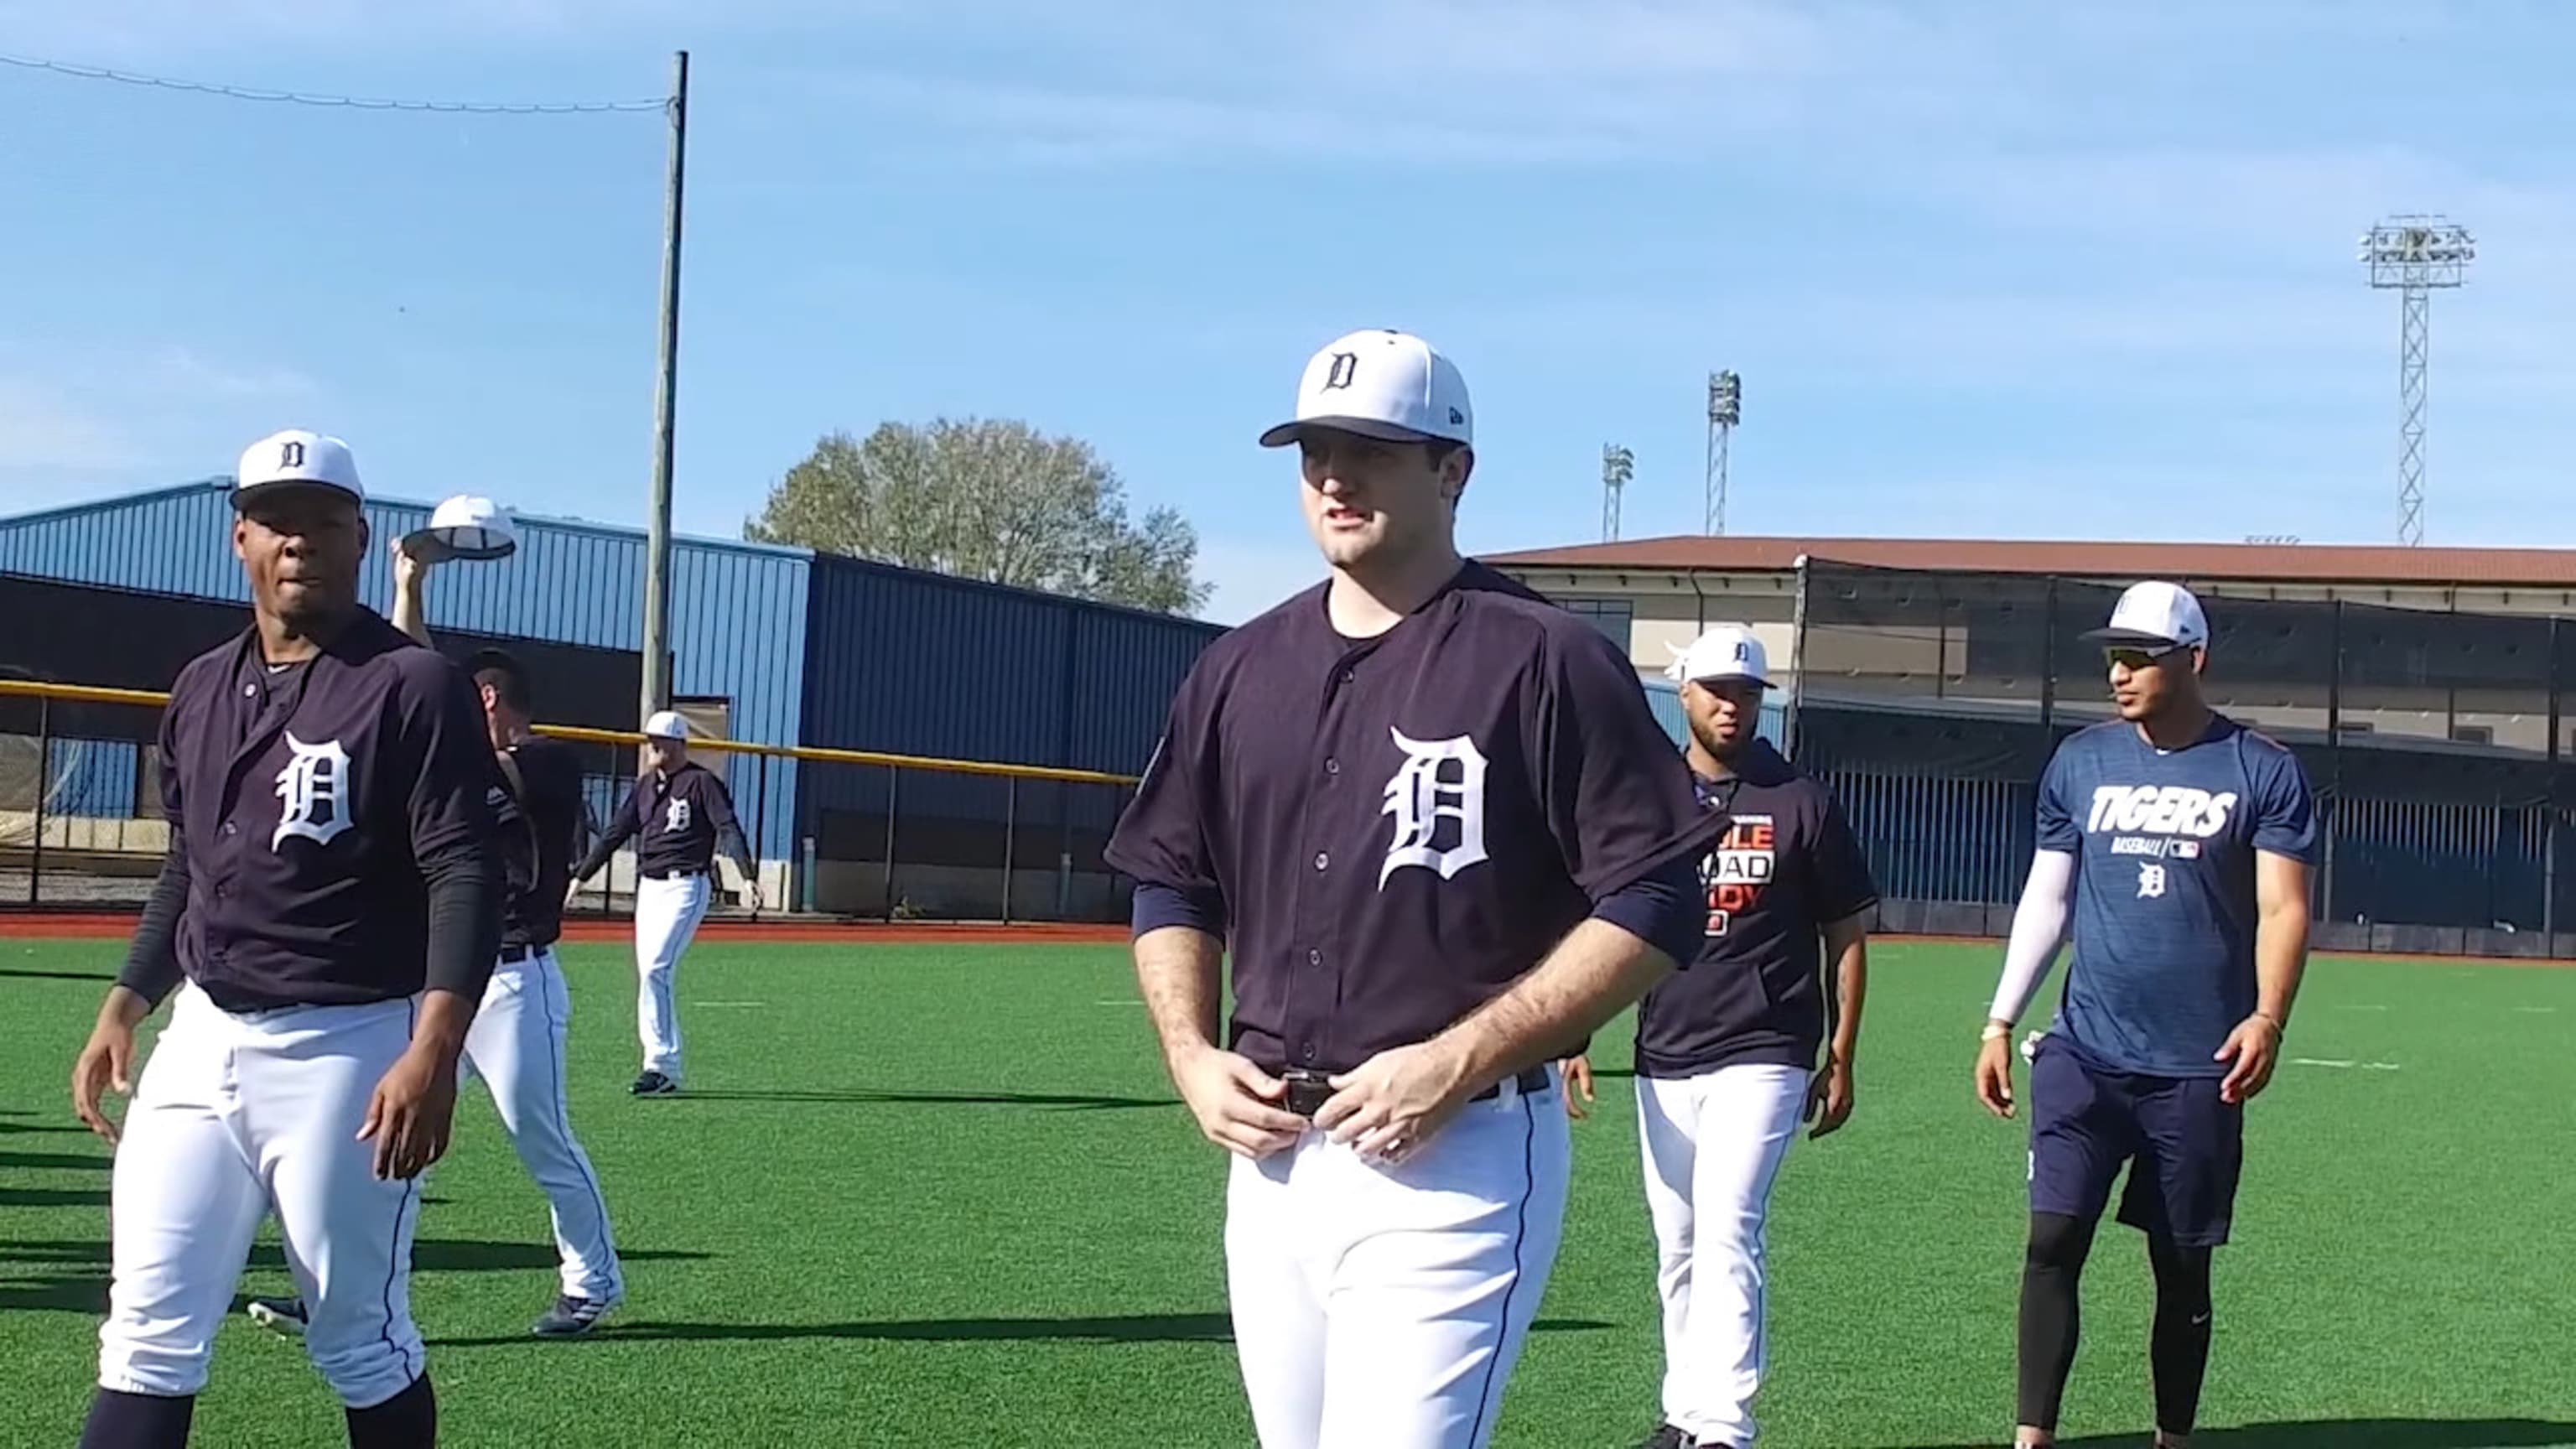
<point>2179,1351</point>
<point>2049,1314</point>
<point>119,1420</point>
<point>408,1420</point>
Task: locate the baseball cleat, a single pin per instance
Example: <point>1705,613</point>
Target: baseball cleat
<point>570,1317</point>
<point>284,1316</point>
<point>654,1084</point>
<point>1666,1436</point>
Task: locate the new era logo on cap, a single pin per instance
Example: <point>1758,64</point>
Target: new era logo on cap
<point>1381,384</point>
<point>296,459</point>
<point>2156,614</point>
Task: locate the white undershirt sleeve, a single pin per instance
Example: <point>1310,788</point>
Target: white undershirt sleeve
<point>2039,927</point>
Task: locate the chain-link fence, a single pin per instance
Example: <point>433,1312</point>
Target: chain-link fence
<point>885,837</point>
<point>2434,742</point>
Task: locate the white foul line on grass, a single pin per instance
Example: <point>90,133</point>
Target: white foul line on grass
<point>728,1003</point>
<point>2322,1062</point>
<point>1124,1001</point>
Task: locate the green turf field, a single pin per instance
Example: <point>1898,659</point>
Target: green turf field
<point>934,1196</point>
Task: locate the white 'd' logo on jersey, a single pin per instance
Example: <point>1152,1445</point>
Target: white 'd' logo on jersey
<point>315,787</point>
<point>677,816</point>
<point>2151,882</point>
<point>1420,798</point>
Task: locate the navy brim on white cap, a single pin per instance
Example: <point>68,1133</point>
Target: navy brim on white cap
<point>296,459</point>
<point>464,528</point>
<point>1380,384</point>
<point>2157,615</point>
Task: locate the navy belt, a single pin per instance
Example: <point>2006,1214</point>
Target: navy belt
<point>1309,1090</point>
<point>683,874</point>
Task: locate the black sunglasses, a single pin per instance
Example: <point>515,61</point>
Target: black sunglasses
<point>2131,657</point>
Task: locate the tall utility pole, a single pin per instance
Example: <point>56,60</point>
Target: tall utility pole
<point>657,537</point>
<point>1725,410</point>
<point>1618,465</point>
<point>2411,255</point>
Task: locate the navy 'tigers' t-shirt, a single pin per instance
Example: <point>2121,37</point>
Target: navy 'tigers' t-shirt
<point>2164,842</point>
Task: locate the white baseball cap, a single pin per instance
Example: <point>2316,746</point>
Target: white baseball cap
<point>666,724</point>
<point>2158,615</point>
<point>1727,651</point>
<point>296,459</point>
<point>464,527</point>
<point>1381,384</point>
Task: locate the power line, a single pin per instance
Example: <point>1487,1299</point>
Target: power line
<point>361,103</point>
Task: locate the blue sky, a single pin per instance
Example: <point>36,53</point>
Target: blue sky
<point>1992,268</point>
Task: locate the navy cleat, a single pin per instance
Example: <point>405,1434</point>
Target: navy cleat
<point>1666,1437</point>
<point>285,1316</point>
<point>654,1084</point>
<point>570,1317</point>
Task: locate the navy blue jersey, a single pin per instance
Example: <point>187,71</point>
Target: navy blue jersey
<point>1787,866</point>
<point>2165,913</point>
<point>546,796</point>
<point>677,819</point>
<point>304,798</point>
<point>1400,827</point>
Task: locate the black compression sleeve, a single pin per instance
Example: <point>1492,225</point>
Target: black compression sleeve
<point>465,898</point>
<point>152,961</point>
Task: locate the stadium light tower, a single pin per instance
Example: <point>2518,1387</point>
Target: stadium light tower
<point>1725,410</point>
<point>2411,255</point>
<point>1618,465</point>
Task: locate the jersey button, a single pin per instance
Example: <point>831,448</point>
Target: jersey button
<point>1307,1054</point>
<point>1332,767</point>
<point>1322,859</point>
<point>1314,958</point>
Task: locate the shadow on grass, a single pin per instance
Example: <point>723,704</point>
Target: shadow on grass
<point>1133,1328</point>
<point>44,1197</point>
<point>2346,1434</point>
<point>31,973</point>
<point>55,1161</point>
<point>8,1127</point>
<point>1064,1101</point>
<point>84,1288</point>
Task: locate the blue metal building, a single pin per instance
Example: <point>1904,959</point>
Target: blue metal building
<point>781,645</point>
<point>737,610</point>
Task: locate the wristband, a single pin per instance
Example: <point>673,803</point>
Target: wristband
<point>1994,1030</point>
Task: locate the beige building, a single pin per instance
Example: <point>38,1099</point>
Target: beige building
<point>2473,683</point>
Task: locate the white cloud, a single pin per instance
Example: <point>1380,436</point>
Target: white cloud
<point>182,369</point>
<point>41,429</point>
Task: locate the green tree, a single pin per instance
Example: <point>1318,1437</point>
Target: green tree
<point>989,499</point>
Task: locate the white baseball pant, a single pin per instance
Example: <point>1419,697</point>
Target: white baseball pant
<point>667,913</point>
<point>236,1113</point>
<point>1713,1146</point>
<point>1383,1306</point>
<point>516,1045</point>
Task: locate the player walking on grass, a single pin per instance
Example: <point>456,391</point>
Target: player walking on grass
<point>681,814</point>
<point>1437,824</point>
<point>517,1042</point>
<point>1726,1052</point>
<point>325,919</point>
<point>2181,842</point>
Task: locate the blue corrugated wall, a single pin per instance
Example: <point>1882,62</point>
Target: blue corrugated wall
<point>737,610</point>
<point>909,663</point>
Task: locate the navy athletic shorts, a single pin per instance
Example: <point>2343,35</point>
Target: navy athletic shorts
<point>2184,1146</point>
